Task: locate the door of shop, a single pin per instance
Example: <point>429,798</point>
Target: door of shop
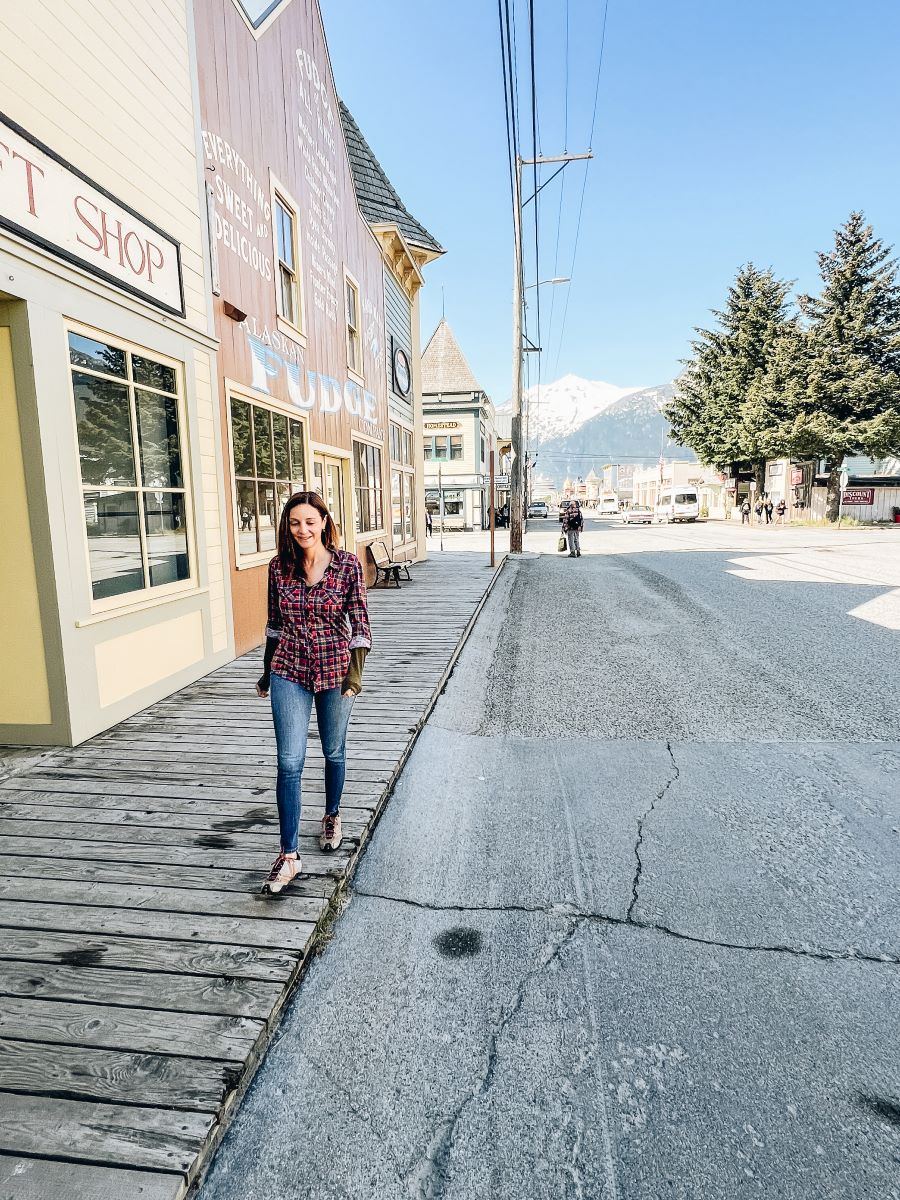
<point>328,481</point>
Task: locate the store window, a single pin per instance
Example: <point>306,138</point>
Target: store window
<point>367,482</point>
<point>288,283</point>
<point>453,502</point>
<point>128,414</point>
<point>436,448</point>
<point>269,466</point>
<point>456,445</point>
<point>403,485</point>
<point>354,343</point>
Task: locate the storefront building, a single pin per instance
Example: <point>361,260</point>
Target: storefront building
<point>458,436</point>
<point>111,550</point>
<point>316,268</point>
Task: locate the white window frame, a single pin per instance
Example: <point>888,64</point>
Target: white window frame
<point>361,534</point>
<point>236,391</point>
<point>356,373</point>
<point>147,596</point>
<point>295,329</point>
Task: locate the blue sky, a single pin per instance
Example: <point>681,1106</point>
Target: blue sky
<point>727,131</point>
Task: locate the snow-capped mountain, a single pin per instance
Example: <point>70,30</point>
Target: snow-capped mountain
<point>560,408</point>
<point>630,429</point>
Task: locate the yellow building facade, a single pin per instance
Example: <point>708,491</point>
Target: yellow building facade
<point>112,559</point>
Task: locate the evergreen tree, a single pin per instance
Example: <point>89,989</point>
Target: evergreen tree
<point>730,407</point>
<point>845,397</point>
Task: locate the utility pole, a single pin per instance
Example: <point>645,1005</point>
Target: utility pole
<point>491,468</point>
<point>517,469</point>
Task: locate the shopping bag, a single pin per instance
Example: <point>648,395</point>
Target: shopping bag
<point>561,544</point>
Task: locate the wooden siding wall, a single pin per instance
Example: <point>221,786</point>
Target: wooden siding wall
<point>269,110</point>
<point>398,322</point>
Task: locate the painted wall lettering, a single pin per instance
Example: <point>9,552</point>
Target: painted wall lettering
<point>48,202</point>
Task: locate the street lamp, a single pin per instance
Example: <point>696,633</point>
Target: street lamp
<point>558,279</point>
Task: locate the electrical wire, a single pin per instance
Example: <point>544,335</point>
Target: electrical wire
<point>583,187</point>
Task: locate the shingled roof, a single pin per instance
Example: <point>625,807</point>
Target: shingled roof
<point>444,367</point>
<point>377,198</point>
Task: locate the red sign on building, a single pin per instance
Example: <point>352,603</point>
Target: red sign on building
<point>859,495</point>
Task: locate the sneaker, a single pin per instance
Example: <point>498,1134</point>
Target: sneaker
<point>331,836</point>
<point>284,871</point>
<point>578,554</point>
<point>571,554</point>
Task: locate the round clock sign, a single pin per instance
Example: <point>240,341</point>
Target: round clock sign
<point>402,373</point>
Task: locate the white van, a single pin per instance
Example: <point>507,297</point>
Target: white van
<point>681,503</point>
<point>609,506</point>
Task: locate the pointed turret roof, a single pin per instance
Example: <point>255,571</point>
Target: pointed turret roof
<point>444,366</point>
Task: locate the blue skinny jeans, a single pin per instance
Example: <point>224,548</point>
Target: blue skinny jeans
<point>291,709</point>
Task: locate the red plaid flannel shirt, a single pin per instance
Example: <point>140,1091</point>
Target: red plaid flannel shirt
<point>318,626</point>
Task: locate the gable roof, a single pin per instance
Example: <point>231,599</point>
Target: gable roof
<point>444,366</point>
<point>374,191</point>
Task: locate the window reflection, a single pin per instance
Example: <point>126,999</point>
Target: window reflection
<point>114,543</point>
<point>267,516</point>
<point>158,433</point>
<point>96,356</point>
<point>104,431</point>
<point>167,549</point>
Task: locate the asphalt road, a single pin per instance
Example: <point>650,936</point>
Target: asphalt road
<point>630,926</point>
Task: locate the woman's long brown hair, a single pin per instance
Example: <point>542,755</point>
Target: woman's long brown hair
<point>290,556</point>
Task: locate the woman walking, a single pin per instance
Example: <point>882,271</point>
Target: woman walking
<point>317,638</point>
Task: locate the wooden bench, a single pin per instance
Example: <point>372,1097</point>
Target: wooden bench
<point>386,566</point>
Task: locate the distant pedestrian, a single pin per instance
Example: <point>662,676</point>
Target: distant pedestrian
<point>572,525</point>
<point>758,509</point>
<point>769,509</point>
<point>317,638</point>
<point>429,523</point>
<point>781,509</point>
<point>745,512</point>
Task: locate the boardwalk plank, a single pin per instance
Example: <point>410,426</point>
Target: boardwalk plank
<point>219,994</point>
<point>199,1035</point>
<point>41,1179</point>
<point>118,1134</point>
<point>89,1073</point>
<point>284,907</point>
<point>82,948</point>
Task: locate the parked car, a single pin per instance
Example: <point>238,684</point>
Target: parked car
<point>538,508</point>
<point>563,505</point>
<point>638,514</point>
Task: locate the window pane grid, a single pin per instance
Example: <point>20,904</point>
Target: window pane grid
<point>137,533</point>
<point>268,450</point>
<point>367,485</point>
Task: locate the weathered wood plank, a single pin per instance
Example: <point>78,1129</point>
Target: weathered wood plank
<point>214,850</point>
<point>119,1134</point>
<point>199,1035</point>
<point>286,906</point>
<point>43,1179</point>
<point>79,948</point>
<point>205,808</point>
<point>219,994</point>
<point>90,1073</point>
<point>205,878</point>
<point>197,789</point>
<point>124,922</point>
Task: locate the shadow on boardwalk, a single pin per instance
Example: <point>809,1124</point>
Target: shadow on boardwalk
<point>142,974</point>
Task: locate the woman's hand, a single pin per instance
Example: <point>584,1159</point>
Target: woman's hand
<point>349,693</point>
<point>262,687</point>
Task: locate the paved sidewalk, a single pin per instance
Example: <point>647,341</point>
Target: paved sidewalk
<point>134,1013</point>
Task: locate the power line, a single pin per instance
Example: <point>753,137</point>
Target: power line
<point>583,187</point>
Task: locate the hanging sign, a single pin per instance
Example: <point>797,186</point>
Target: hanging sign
<point>48,202</point>
<point>859,495</point>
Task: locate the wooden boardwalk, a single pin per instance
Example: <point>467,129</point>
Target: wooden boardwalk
<point>141,972</point>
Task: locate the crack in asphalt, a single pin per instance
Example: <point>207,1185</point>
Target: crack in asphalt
<point>639,864</point>
<point>630,922</point>
<point>427,1178</point>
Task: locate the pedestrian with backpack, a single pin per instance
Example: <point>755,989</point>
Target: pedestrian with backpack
<point>572,525</point>
<point>745,512</point>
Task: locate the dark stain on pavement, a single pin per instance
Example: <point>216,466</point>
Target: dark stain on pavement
<point>886,1109</point>
<point>459,942</point>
